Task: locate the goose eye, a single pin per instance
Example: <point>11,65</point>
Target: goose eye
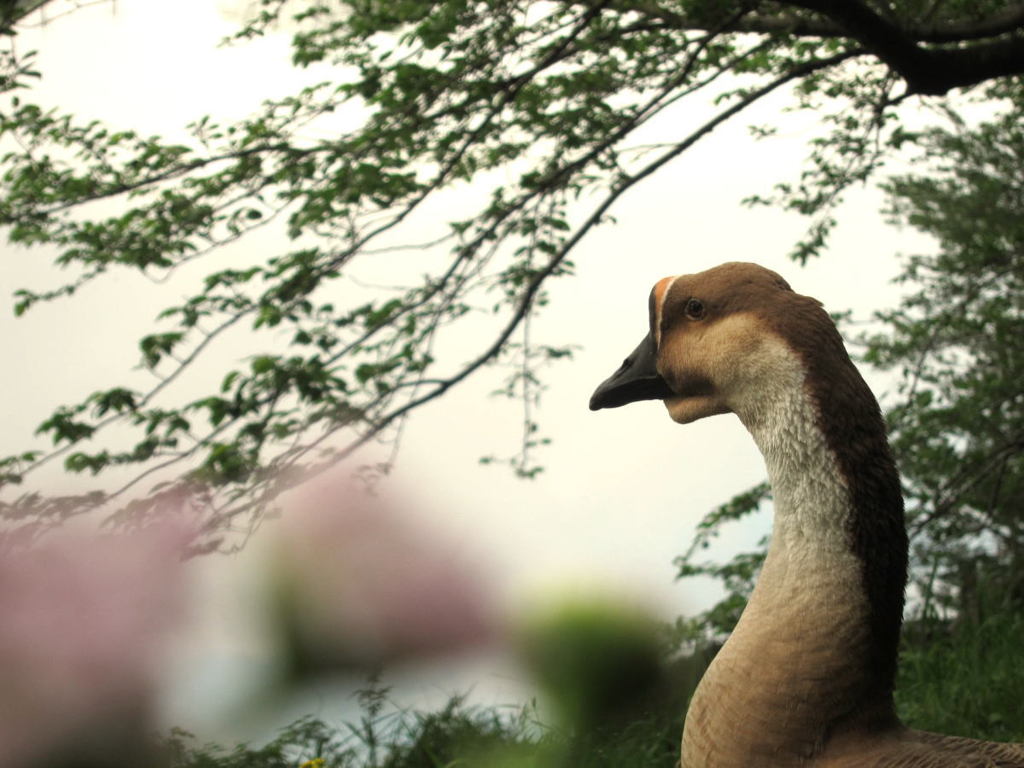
<point>695,309</point>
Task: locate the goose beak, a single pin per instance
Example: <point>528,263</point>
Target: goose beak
<point>636,379</point>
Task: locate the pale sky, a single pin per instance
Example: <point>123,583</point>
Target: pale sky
<point>622,489</point>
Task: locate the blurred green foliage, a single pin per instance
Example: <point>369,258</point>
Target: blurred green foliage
<point>595,662</point>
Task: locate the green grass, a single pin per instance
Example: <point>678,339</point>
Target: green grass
<point>964,680</point>
<point>967,680</point>
<point>456,736</point>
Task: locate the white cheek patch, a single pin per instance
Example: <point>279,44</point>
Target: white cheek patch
<point>661,291</point>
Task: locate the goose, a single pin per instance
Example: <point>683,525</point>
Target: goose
<point>806,677</point>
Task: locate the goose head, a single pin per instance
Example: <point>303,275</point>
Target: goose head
<point>718,342</point>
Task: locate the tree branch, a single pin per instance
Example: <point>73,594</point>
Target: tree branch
<point>927,71</point>
<point>525,300</point>
<point>1006,21</point>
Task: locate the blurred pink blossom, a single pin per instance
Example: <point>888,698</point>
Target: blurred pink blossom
<point>365,584</point>
<point>82,620</point>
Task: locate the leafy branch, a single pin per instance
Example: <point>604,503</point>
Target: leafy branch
<point>534,104</point>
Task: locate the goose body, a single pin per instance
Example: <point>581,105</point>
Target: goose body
<point>806,677</point>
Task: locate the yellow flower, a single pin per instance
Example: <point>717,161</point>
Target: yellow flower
<point>317,762</point>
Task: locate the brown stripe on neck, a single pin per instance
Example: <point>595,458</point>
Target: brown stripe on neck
<point>850,419</point>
